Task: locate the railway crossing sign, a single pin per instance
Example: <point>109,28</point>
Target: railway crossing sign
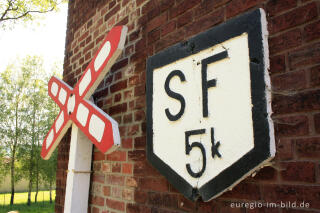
<point>209,107</point>
<point>75,107</point>
<point>90,125</point>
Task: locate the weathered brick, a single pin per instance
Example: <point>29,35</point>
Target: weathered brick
<point>184,19</point>
<point>112,12</point>
<point>96,200</point>
<point>127,168</point>
<point>168,28</point>
<point>285,41</point>
<point>317,122</point>
<point>106,190</point>
<point>153,36</point>
<point>156,22</point>
<point>300,102</point>
<point>116,192</point>
<point>117,156</point>
<point>182,7</point>
<point>140,196</point>
<point>284,193</point>
<point>284,149</point>
<point>312,31</point>
<point>98,178</point>
<point>115,180</point>
<point>289,81</point>
<point>315,76</point>
<point>237,6</point>
<point>128,194</point>
<point>293,18</point>
<point>137,155</point>
<point>120,108</point>
<point>115,204</point>
<point>304,56</point>
<point>135,208</point>
<point>118,86</point>
<point>275,7</point>
<point>308,148</point>
<point>243,191</point>
<point>205,22</point>
<point>155,184</point>
<point>116,168</point>
<point>298,171</point>
<point>291,126</point>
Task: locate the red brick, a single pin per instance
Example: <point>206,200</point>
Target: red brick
<point>117,156</point>
<point>289,81</point>
<point>308,148</point>
<point>112,12</point>
<point>243,191</point>
<point>237,6</point>
<point>101,93</point>
<point>127,168</point>
<point>127,143</point>
<point>135,208</point>
<point>120,108</point>
<point>205,22</point>
<point>154,184</point>
<point>184,19</point>
<point>285,41</point>
<point>317,122</point>
<point>137,155</point>
<point>143,168</point>
<point>166,4</point>
<point>116,192</point>
<point>106,167</point>
<point>304,56</point>
<point>98,178</point>
<point>226,207</point>
<point>168,28</point>
<point>311,195</point>
<point>291,126</point>
<point>116,168</point>
<point>106,190</point>
<point>186,204</point>
<point>206,6</point>
<point>284,149</point>
<point>300,102</point>
<point>169,40</point>
<point>139,90</point>
<point>312,31</point>
<point>298,210</point>
<point>293,18</point>
<point>266,174</point>
<point>153,36</point>
<point>140,196</point>
<point>275,7</point>
<point>115,180</point>
<point>298,171</point>
<point>114,204</point>
<point>140,142</point>
<point>117,98</point>
<point>156,22</point>
<point>95,210</point>
<point>96,200</point>
<point>118,86</point>
<point>97,156</point>
<point>315,76</point>
<point>127,194</point>
<point>284,193</point>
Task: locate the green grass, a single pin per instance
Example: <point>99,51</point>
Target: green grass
<point>20,203</point>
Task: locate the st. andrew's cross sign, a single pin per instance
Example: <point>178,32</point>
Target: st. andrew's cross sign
<point>75,107</point>
<point>96,127</point>
<point>209,107</point>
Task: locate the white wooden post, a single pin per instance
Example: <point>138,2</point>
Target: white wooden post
<point>79,170</point>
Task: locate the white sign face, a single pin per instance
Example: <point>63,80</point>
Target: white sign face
<point>209,111</point>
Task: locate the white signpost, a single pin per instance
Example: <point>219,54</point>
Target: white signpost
<point>209,108</point>
<point>90,125</point>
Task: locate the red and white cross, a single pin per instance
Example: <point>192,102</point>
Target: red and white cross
<point>75,107</point>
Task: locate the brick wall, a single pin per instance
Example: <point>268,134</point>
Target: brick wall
<point>124,181</point>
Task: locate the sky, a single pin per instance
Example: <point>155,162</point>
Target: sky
<point>46,39</point>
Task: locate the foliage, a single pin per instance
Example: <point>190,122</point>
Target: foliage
<point>12,11</point>
<point>26,114</point>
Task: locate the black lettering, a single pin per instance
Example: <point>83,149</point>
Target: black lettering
<point>214,148</point>
<point>206,84</point>
<point>190,147</point>
<point>175,95</point>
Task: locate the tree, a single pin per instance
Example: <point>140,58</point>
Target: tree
<point>12,11</point>
<point>13,86</point>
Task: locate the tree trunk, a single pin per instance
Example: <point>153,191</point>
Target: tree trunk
<point>50,188</point>
<point>13,155</point>
<point>32,154</point>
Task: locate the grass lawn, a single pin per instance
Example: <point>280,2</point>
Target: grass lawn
<point>20,200</point>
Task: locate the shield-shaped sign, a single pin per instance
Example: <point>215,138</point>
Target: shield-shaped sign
<point>209,107</point>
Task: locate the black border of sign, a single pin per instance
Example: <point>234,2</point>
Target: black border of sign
<point>251,24</point>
